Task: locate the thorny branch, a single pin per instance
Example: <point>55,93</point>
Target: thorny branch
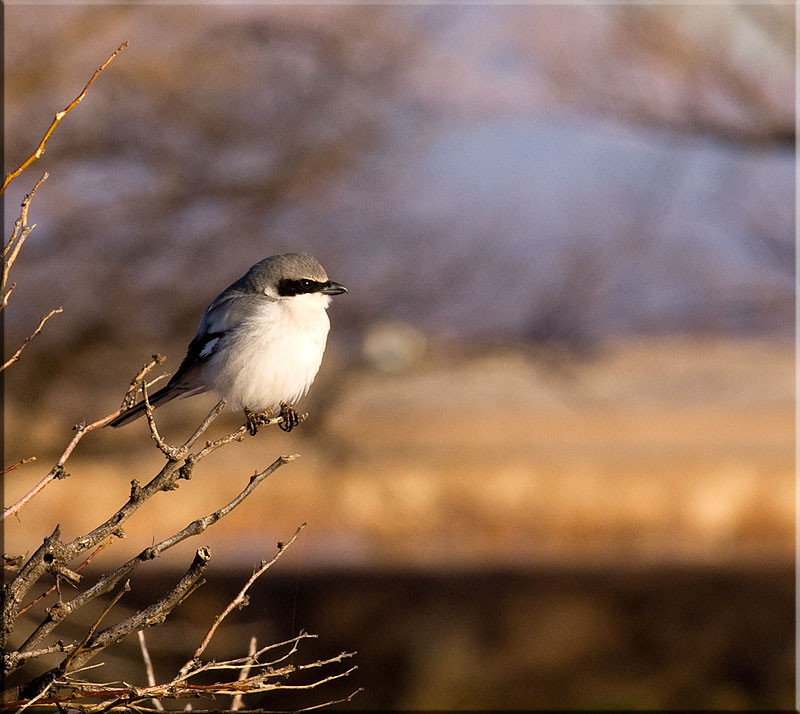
<point>57,119</point>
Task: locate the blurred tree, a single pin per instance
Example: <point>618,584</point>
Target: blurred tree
<point>699,70</point>
<point>410,148</point>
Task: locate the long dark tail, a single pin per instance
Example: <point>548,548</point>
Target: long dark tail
<point>162,396</point>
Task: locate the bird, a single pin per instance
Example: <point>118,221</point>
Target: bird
<point>260,342</point>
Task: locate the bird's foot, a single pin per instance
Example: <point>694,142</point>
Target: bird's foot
<point>290,417</point>
<point>257,419</point>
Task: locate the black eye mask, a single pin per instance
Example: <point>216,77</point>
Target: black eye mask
<point>289,286</point>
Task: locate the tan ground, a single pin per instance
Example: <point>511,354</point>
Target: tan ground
<point>648,451</point>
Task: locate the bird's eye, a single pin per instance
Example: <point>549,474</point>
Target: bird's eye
<point>297,286</point>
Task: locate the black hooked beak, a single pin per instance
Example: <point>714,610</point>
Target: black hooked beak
<point>332,288</point>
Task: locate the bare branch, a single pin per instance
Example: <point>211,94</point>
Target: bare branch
<point>343,700</point>
<point>18,235</point>
<point>19,463</point>
<point>53,555</point>
<point>171,452</point>
<point>21,231</point>
<point>155,614</point>
<point>176,453</point>
<point>86,562</point>
<point>65,666</point>
<point>58,470</point>
<point>39,696</point>
<point>238,601</point>
<point>59,646</point>
<point>148,666</point>
<point>213,414</point>
<point>152,615</point>
<point>58,117</point>
<point>7,294</point>
<point>121,694</point>
<point>136,382</point>
<point>236,703</point>
<point>254,662</point>
<point>66,688</point>
<point>58,613</point>
<point>30,337</point>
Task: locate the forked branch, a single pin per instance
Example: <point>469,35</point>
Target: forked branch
<point>81,430</point>
<point>107,582</point>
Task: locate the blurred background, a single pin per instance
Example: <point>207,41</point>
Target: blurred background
<point>550,454</point>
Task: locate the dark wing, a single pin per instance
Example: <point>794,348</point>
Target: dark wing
<point>223,315</point>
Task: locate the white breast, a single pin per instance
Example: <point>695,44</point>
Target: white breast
<point>273,356</point>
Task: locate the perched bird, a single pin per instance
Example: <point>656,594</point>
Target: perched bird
<point>260,342</point>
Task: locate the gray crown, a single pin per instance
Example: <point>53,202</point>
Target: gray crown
<point>293,266</point>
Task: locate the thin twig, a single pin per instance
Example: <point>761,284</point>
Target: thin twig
<point>212,446</point>
<point>81,566</point>
<point>108,582</point>
<point>176,453</point>
<point>135,385</point>
<point>81,646</point>
<point>58,117</point>
<point>30,337</point>
<point>7,295</point>
<point>57,647</point>
<point>152,615</point>
<point>241,661</point>
<point>19,463</point>
<point>39,696</point>
<point>93,643</point>
<point>324,680</point>
<point>236,703</point>
<point>18,236</point>
<point>238,601</point>
<point>173,453</point>
<point>213,414</point>
<point>58,470</point>
<point>332,702</point>
<point>148,666</point>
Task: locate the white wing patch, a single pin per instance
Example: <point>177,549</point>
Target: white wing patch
<point>208,347</point>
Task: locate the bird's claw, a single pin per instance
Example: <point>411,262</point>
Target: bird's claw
<point>290,418</point>
<point>256,419</point>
